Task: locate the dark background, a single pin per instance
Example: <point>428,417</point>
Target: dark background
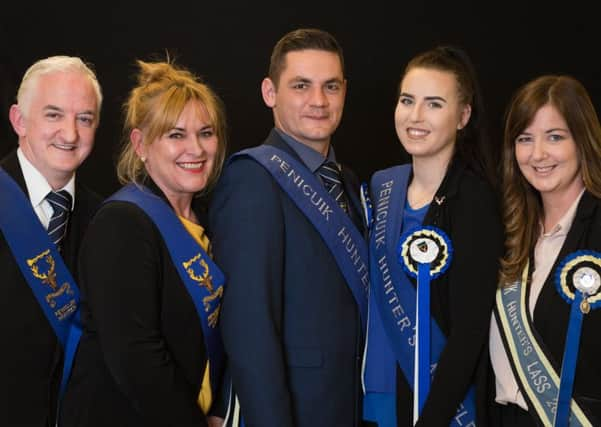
<point>229,45</point>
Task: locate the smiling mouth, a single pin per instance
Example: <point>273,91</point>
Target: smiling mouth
<point>192,166</point>
<point>543,169</point>
<point>65,147</point>
<point>417,133</point>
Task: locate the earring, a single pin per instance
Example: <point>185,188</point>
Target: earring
<point>143,159</point>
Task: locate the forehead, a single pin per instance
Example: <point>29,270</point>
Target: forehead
<point>547,117</point>
<point>194,112</point>
<point>68,90</point>
<point>429,82</point>
<point>312,63</point>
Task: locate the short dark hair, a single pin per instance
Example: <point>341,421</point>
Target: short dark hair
<point>301,39</point>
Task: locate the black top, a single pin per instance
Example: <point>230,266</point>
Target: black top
<point>142,356</point>
<point>462,298</point>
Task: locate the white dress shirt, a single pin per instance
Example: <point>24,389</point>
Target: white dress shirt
<point>38,188</point>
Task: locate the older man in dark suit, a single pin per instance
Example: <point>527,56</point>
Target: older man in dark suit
<point>284,217</point>
<point>55,118</point>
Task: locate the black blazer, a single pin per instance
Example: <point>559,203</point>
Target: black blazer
<point>31,360</point>
<point>462,298</point>
<point>551,313</point>
<point>141,358</point>
<point>290,324</point>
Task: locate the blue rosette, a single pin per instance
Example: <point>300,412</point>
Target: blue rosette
<point>432,244</point>
<point>425,253</point>
<point>578,281</point>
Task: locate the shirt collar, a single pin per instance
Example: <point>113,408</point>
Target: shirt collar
<point>565,223</point>
<point>311,158</point>
<point>37,185</point>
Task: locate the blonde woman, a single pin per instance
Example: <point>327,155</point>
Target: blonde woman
<point>150,354</point>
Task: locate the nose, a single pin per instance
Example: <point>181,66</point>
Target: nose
<point>195,145</point>
<point>415,115</point>
<point>318,97</point>
<point>69,131</point>
<point>538,150</point>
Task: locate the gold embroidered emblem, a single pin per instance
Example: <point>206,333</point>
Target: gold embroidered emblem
<point>48,277</point>
<point>206,281</point>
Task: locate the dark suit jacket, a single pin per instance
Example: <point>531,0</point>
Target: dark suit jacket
<point>141,358</point>
<point>31,360</point>
<point>462,298</point>
<point>290,324</point>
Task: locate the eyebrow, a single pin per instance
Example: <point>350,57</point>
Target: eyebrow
<point>307,80</point>
<point>547,131</point>
<point>209,126</point>
<point>51,107</point>
<point>427,98</point>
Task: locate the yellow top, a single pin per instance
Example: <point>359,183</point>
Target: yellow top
<point>205,396</point>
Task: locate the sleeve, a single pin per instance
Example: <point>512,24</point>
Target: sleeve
<point>121,271</point>
<point>247,222</point>
<point>477,237</point>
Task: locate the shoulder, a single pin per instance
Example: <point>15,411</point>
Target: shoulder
<point>87,199</point>
<point>125,217</point>
<point>473,188</point>
<point>245,176</point>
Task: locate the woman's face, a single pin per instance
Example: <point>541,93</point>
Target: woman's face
<point>429,113</point>
<point>547,156</point>
<point>181,160</point>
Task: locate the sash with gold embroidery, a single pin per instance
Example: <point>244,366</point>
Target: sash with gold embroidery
<point>202,278</point>
<point>340,235</point>
<point>535,375</point>
<point>42,267</point>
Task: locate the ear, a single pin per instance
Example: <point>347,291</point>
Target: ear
<point>268,91</point>
<point>137,139</point>
<point>465,117</point>
<point>17,120</point>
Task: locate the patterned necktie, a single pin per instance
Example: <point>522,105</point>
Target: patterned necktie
<point>61,202</point>
<point>330,176</point>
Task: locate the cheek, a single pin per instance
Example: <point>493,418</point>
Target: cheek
<point>210,147</point>
<point>521,154</point>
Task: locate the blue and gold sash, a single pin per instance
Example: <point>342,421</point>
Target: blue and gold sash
<point>42,267</point>
<point>535,375</point>
<point>204,281</point>
<point>394,294</point>
<point>339,233</point>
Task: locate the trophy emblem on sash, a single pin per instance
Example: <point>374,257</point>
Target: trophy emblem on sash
<point>43,267</point>
<point>212,301</point>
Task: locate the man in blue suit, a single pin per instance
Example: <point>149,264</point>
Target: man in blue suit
<point>291,318</point>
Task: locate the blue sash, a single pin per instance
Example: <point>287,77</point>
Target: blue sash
<point>42,267</point>
<point>201,276</point>
<point>335,227</point>
<point>538,381</point>
<point>393,292</point>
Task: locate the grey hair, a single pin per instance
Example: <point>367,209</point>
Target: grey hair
<point>53,64</point>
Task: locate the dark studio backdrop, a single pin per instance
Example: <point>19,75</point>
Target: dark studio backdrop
<point>229,46</point>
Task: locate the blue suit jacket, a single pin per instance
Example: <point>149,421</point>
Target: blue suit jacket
<point>290,325</point>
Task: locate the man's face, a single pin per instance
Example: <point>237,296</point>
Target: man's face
<point>309,98</point>
<point>56,126</point>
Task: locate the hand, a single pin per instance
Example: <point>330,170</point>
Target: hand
<point>214,421</point>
